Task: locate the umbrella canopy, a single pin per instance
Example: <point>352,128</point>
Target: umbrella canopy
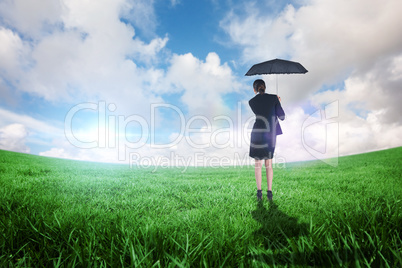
<point>277,66</point>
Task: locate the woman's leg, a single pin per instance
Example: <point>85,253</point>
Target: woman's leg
<point>258,166</point>
<point>270,173</point>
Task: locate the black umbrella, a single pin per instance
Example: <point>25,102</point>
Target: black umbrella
<point>277,66</point>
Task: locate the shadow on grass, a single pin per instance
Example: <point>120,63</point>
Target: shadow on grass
<point>276,225</point>
<point>281,240</point>
<point>275,235</point>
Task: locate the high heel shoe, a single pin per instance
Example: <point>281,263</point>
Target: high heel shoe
<point>269,195</point>
<point>259,195</point>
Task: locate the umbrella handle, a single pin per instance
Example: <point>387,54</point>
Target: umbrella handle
<point>276,84</point>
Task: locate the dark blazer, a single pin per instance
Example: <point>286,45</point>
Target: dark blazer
<point>267,109</point>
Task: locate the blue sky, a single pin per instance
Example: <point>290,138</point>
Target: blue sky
<point>187,60</point>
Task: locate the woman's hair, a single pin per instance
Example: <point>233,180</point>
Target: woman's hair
<point>259,86</point>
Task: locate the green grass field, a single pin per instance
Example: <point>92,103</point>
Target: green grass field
<point>65,213</point>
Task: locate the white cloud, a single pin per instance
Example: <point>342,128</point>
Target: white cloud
<point>62,149</point>
<point>141,14</point>
<point>31,17</point>
<point>58,153</point>
<point>8,117</point>
<point>12,51</point>
<point>369,117</point>
<point>203,83</point>
<point>13,138</point>
<point>260,35</point>
<point>81,52</point>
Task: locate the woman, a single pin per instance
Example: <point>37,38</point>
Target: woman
<point>267,109</point>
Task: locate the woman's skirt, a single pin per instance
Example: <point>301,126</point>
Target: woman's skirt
<point>262,144</point>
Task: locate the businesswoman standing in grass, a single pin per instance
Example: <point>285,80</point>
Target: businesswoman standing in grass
<point>268,109</point>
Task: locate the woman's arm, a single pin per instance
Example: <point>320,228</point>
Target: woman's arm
<point>280,113</point>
